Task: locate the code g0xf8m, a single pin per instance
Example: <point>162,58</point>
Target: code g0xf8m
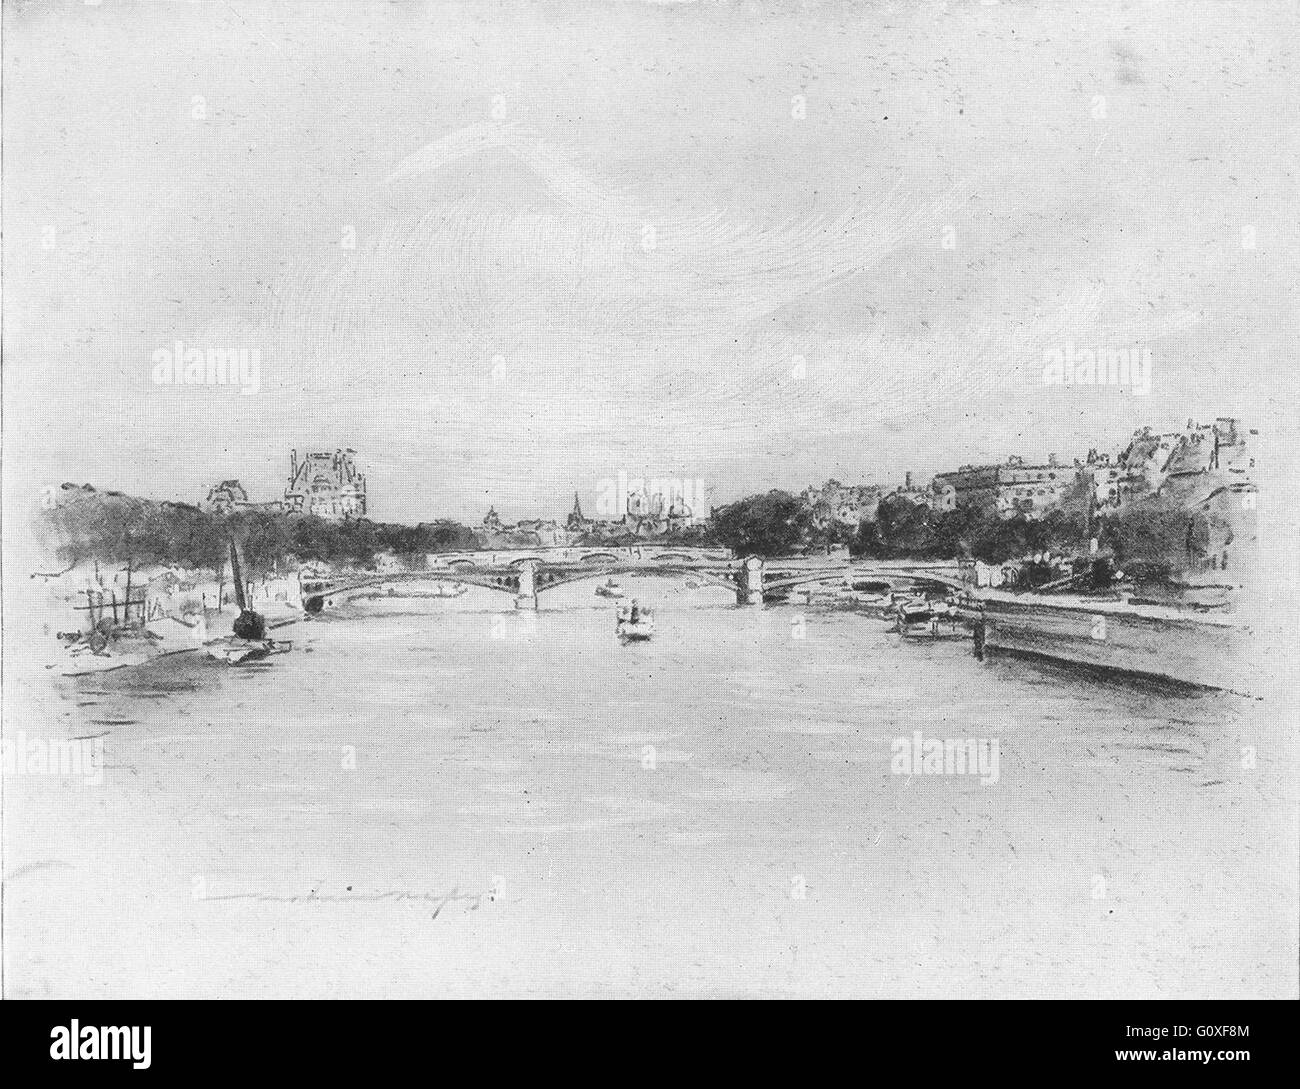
<point>1223,1030</point>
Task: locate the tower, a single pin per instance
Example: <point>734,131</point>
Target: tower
<point>576,521</point>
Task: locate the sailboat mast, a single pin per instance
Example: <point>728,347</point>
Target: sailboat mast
<point>238,576</point>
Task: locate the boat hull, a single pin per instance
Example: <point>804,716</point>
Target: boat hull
<point>84,665</point>
<point>238,652</point>
<point>937,627</point>
<point>1206,652</point>
<point>634,632</point>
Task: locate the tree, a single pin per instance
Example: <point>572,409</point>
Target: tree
<point>773,524</point>
<point>902,528</point>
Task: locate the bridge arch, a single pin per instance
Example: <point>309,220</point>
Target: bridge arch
<point>314,600</point>
<point>549,579</point>
<point>810,578</point>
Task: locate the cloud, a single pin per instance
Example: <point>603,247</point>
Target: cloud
<point>595,271</point>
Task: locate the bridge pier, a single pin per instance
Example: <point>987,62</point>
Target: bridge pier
<point>749,582</point>
<point>526,597</point>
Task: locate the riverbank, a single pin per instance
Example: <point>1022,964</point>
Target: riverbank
<point>163,637</point>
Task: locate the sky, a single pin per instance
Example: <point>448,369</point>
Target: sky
<point>507,252</point>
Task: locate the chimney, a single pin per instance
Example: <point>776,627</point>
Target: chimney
<point>293,465</point>
<point>907,481</point>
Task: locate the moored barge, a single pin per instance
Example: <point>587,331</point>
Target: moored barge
<point>1148,640</point>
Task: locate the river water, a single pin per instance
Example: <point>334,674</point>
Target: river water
<point>445,798</point>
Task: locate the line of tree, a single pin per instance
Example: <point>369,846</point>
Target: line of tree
<point>114,528</point>
<point>1152,538</point>
<point>83,525</point>
<point>903,529</point>
<point>777,523</point>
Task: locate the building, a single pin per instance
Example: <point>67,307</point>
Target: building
<point>326,485</point>
<point>542,532</point>
<point>972,485</point>
<point>656,508</point>
<point>576,522</point>
<point>1209,459</point>
<point>937,497</point>
<point>1008,489</point>
<point>846,505</point>
<point>680,513</point>
<point>1235,451</point>
<point>1145,462</point>
<point>530,532</point>
<point>227,496</point>
<point>1188,461</point>
<point>1196,452</point>
<point>645,512</point>
<point>943,497</point>
<point>1103,478</point>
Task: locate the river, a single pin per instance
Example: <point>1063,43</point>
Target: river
<point>442,798</point>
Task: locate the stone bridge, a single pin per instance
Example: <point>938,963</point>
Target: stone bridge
<point>526,574</point>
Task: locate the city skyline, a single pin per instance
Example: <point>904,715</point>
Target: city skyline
<point>607,498</point>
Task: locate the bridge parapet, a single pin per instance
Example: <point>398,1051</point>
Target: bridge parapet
<point>575,554</point>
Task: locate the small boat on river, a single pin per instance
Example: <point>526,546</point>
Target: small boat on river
<point>946,626</point>
<point>609,589</point>
<point>920,610</point>
<point>249,642</point>
<point>634,624</point>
